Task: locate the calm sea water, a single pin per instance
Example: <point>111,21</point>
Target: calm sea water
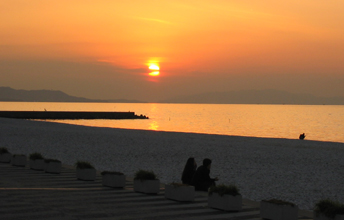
<point>319,122</point>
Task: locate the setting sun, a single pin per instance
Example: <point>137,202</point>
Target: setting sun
<point>154,73</point>
<point>154,67</point>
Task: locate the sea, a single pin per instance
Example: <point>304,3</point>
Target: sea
<point>318,122</point>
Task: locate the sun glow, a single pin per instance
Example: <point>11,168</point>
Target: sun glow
<point>154,66</point>
<point>155,69</point>
<point>154,73</point>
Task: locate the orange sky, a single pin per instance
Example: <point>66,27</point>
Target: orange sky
<point>101,49</point>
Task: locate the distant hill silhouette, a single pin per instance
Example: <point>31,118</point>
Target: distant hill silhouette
<point>257,97</point>
<point>233,97</point>
<point>12,95</point>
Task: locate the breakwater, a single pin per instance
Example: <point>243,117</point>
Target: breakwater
<point>61,115</point>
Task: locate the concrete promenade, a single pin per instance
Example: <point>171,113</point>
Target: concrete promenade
<point>30,194</point>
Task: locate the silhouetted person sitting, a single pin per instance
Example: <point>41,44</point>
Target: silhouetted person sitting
<point>201,179</point>
<point>302,136</point>
<point>189,171</point>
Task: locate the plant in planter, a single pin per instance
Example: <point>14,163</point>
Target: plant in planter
<point>85,171</point>
<point>5,156</point>
<point>52,166</point>
<point>275,209</point>
<point>146,182</point>
<point>180,192</point>
<point>225,197</point>
<point>329,210</point>
<point>36,161</point>
<point>19,160</point>
<point>113,179</point>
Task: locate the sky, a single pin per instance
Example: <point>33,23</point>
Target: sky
<point>152,50</point>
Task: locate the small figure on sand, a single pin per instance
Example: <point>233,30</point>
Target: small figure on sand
<point>302,136</point>
<point>201,179</point>
<point>189,171</point>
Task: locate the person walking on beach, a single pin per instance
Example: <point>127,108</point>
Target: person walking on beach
<point>189,171</point>
<point>302,136</point>
<point>201,179</point>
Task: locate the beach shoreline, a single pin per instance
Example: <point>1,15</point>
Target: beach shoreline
<point>299,171</point>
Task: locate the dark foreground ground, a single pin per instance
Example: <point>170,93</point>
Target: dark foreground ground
<point>29,194</point>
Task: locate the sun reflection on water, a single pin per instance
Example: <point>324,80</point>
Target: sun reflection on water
<point>154,125</point>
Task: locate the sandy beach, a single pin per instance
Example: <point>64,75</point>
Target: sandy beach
<point>301,172</point>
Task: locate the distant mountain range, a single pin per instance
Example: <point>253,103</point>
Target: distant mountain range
<point>257,97</point>
<point>233,97</point>
<point>12,95</point>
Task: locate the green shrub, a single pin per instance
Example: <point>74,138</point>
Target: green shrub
<point>35,156</point>
<point>329,208</point>
<point>3,150</point>
<point>83,165</point>
<point>51,160</point>
<point>145,175</point>
<point>111,172</point>
<point>279,202</point>
<point>224,189</point>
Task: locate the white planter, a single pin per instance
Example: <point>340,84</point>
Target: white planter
<point>19,160</point>
<point>180,193</point>
<point>5,158</point>
<point>274,211</point>
<point>225,202</point>
<point>113,180</point>
<point>147,186</point>
<point>53,167</point>
<point>37,164</point>
<point>86,174</point>
<point>323,217</point>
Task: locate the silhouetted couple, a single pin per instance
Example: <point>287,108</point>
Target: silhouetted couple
<point>199,178</point>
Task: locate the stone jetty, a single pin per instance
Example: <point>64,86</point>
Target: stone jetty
<point>61,115</point>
